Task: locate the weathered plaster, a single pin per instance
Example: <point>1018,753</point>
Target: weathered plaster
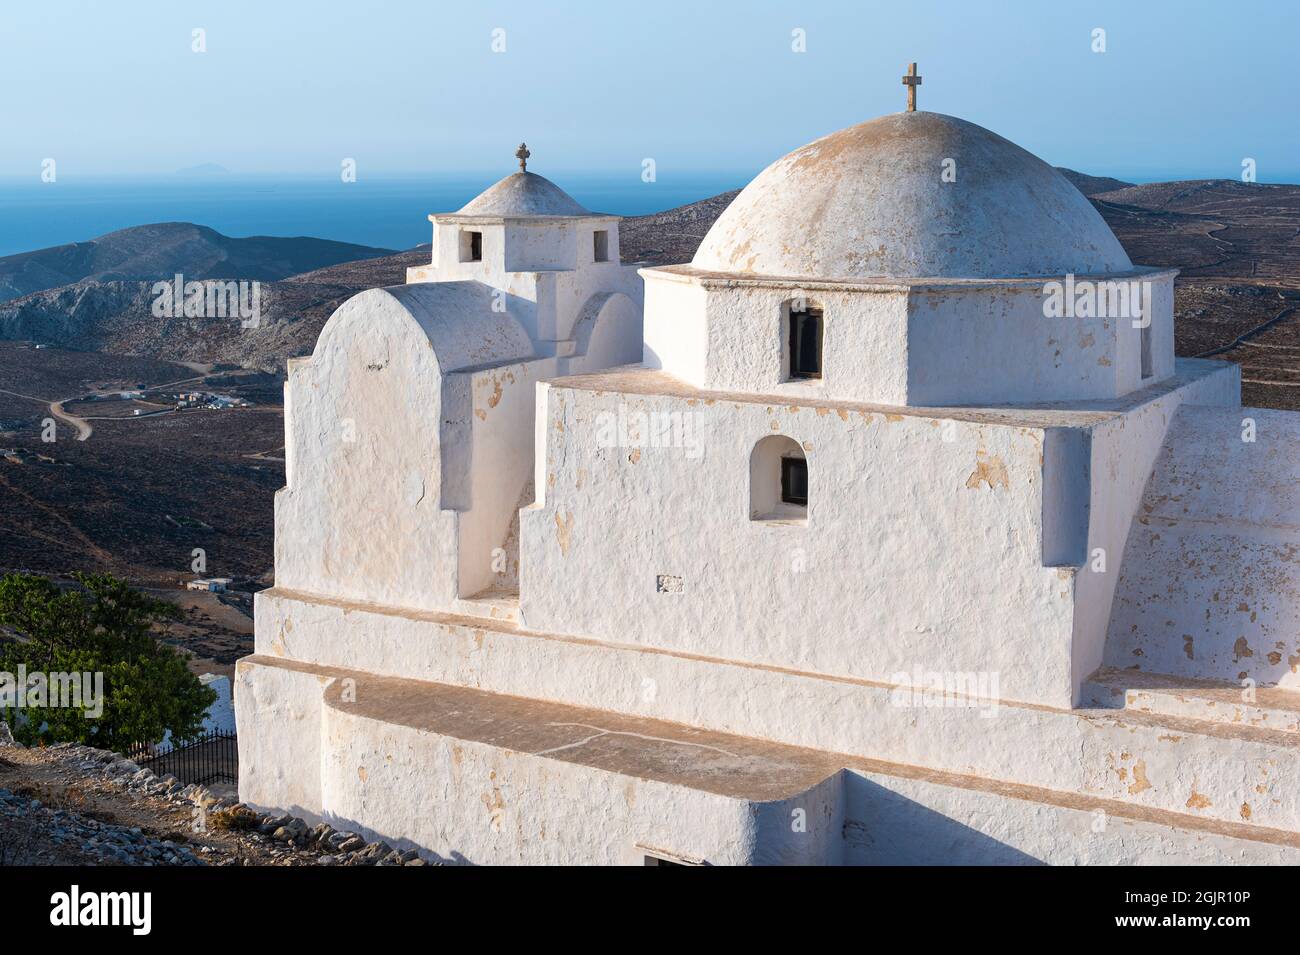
<point>871,200</point>
<point>690,663</point>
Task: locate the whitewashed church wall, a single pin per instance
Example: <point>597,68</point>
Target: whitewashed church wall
<point>501,467</point>
<point>676,330</point>
<point>449,255</point>
<point>361,516</point>
<point>1210,588</point>
<point>607,333</point>
<point>734,338</point>
<point>1129,373</point>
<point>495,806</point>
<point>864,343</point>
<point>1055,749</point>
<point>530,247</point>
<point>1124,454</point>
<point>913,547</point>
<point>892,820</point>
<point>278,716</point>
<point>991,345</point>
<point>382,445</point>
<point>569,293</point>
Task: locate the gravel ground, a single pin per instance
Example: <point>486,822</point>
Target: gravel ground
<point>76,805</point>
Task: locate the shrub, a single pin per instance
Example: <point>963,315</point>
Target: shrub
<point>234,818</point>
<point>102,627</point>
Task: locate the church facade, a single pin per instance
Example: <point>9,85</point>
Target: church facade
<point>887,530</point>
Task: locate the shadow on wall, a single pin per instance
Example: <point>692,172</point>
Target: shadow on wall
<point>401,845</point>
<point>884,827</point>
<point>880,827</point>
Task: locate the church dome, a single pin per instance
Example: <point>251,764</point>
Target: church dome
<point>873,201</point>
<point>524,194</point>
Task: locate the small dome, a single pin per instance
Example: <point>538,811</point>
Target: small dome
<point>524,194</point>
<point>871,201</point>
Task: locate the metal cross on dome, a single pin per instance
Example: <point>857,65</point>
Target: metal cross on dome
<point>912,80</point>
<point>522,155</point>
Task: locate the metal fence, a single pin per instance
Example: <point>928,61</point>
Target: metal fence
<point>212,757</point>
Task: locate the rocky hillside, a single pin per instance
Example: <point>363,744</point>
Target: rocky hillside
<point>1237,245</point>
<point>664,238</point>
<point>117,317</point>
<point>1091,185</point>
<point>153,252</point>
<point>1237,248</point>
<point>302,281</point>
<point>75,805</point>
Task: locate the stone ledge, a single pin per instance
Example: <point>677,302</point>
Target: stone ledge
<point>756,771</point>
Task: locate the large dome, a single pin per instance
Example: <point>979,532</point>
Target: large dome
<point>871,201</point>
<point>524,194</point>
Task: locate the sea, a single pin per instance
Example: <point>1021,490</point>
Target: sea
<point>389,213</point>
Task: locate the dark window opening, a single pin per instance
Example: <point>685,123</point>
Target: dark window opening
<point>794,481</point>
<point>600,246</point>
<point>806,343</point>
<point>655,860</point>
<point>471,246</point>
<point>1147,370</point>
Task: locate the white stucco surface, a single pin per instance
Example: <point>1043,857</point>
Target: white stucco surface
<point>523,194</point>
<point>872,200</point>
<point>1210,585</point>
<point>511,779</point>
<point>914,342</point>
<point>548,589</point>
<point>1209,766</point>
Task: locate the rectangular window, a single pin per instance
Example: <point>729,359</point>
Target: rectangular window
<point>806,344</point>
<point>794,481</point>
<point>471,246</point>
<point>600,246</point>
<point>1147,370</point>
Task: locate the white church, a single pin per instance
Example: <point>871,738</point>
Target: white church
<point>888,530</point>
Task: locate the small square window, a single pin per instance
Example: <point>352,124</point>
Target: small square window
<point>794,481</point>
<point>471,246</point>
<point>600,246</point>
<point>1147,361</point>
<point>806,344</point>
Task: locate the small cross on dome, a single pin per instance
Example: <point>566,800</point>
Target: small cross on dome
<point>912,80</point>
<point>522,155</point>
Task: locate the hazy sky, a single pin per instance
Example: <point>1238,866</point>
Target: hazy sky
<point>1183,89</point>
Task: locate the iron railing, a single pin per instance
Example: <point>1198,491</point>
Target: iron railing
<point>211,757</point>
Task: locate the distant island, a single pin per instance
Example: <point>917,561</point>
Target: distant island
<point>205,170</point>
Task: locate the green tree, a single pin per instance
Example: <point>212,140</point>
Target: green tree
<point>103,627</point>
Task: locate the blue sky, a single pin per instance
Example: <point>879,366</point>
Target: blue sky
<point>291,88</point>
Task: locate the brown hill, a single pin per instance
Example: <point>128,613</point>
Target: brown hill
<point>1237,244</point>
<point>158,251</point>
<point>1092,185</point>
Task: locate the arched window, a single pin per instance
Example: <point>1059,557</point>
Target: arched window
<point>778,480</point>
<point>801,344</point>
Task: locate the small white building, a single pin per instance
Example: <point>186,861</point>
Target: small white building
<point>894,532</point>
<point>216,585</point>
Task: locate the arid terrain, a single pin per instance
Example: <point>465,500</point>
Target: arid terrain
<point>138,494</point>
<point>149,252</point>
<point>1238,248</point>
